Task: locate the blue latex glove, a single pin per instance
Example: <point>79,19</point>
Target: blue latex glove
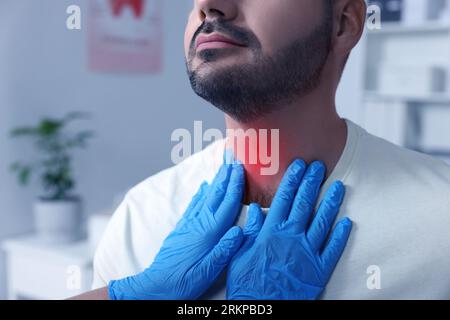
<point>285,257</point>
<point>199,248</point>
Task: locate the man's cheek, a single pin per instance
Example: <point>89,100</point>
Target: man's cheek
<point>186,44</point>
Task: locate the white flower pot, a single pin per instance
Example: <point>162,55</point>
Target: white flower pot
<point>58,221</point>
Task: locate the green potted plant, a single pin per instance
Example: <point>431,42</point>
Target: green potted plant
<point>57,212</point>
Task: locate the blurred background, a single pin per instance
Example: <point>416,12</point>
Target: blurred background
<point>125,67</point>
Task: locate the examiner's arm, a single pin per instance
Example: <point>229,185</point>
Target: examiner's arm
<point>98,294</point>
<point>196,252</point>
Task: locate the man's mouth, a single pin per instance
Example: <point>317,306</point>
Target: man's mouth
<point>215,41</point>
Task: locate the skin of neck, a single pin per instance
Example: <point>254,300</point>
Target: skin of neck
<point>309,129</point>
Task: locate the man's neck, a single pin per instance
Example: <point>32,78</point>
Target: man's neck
<point>309,129</point>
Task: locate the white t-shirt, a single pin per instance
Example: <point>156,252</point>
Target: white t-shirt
<point>399,201</point>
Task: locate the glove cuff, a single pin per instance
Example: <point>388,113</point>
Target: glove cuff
<point>111,292</point>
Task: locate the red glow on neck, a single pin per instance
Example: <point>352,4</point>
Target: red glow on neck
<point>255,150</point>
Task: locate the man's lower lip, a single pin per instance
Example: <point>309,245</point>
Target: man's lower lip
<point>216,45</point>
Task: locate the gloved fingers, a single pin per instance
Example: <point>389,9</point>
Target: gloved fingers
<point>218,188</point>
<point>196,200</point>
<point>307,194</point>
<point>197,210</point>
<point>218,258</point>
<point>254,223</point>
<point>232,202</point>
<point>282,202</point>
<point>228,156</point>
<point>326,214</point>
<point>336,245</point>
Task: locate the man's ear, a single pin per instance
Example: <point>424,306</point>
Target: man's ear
<point>349,18</point>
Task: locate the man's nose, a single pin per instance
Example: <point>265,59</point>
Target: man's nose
<point>217,9</point>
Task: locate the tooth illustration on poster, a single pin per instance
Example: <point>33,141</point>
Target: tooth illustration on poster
<point>125,36</point>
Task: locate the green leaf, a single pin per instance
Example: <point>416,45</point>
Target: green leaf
<point>84,135</point>
<point>49,127</point>
<point>23,172</point>
<point>76,115</point>
<point>24,175</point>
<point>80,139</point>
<point>24,131</point>
<point>15,166</point>
<point>54,145</point>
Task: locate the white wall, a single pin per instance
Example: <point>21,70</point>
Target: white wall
<point>350,93</point>
<point>43,70</point>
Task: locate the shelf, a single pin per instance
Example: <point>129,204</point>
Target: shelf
<point>77,253</point>
<point>398,28</point>
<point>399,44</point>
<point>439,99</point>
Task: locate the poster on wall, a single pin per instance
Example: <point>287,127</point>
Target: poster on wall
<point>125,36</point>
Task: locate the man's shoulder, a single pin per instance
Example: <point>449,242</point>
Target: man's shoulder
<point>148,213</point>
<point>403,168</point>
<point>390,153</point>
<point>180,179</point>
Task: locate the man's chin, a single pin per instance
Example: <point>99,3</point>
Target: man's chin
<point>217,69</point>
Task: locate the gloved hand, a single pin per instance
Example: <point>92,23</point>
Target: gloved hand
<point>199,248</point>
<point>284,257</point>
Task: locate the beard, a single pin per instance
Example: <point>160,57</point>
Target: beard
<point>248,91</point>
